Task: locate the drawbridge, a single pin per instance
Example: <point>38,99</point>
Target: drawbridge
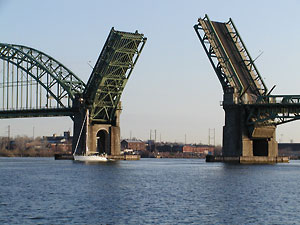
<point>251,112</point>
<point>34,84</point>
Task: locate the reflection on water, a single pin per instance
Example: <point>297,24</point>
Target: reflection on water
<point>170,191</point>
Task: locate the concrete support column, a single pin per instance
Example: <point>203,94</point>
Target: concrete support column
<point>92,137</point>
<point>115,131</point>
<point>79,140</point>
<point>102,138</point>
<point>115,140</point>
<point>242,140</point>
<point>232,132</point>
<point>247,147</point>
<point>272,148</point>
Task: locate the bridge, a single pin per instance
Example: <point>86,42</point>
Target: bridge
<point>34,84</point>
<point>251,112</point>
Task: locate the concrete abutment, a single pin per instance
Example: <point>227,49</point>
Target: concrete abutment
<point>247,144</point>
<point>93,137</point>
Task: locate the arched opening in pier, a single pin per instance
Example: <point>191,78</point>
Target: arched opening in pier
<point>260,147</point>
<point>102,142</point>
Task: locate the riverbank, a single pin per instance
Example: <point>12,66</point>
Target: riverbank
<point>145,154</point>
<point>27,153</point>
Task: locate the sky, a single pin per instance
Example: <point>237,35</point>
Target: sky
<point>173,88</point>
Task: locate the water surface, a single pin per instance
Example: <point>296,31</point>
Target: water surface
<point>148,191</point>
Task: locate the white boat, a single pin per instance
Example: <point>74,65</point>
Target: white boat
<point>89,156</point>
<point>95,157</point>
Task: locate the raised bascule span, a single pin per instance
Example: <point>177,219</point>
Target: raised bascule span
<point>34,84</point>
<point>251,112</point>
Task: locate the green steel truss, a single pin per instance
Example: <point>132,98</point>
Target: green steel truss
<point>32,83</point>
<point>110,74</point>
<point>273,110</point>
<point>229,57</point>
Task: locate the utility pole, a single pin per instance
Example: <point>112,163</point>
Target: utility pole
<point>8,137</point>
<point>214,136</point>
<point>208,136</point>
<point>155,140</point>
<point>8,132</point>
<point>184,139</point>
<point>213,132</point>
<point>150,143</point>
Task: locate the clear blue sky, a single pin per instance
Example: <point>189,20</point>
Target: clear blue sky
<point>173,88</point>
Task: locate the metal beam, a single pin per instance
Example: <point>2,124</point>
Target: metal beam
<point>46,112</point>
<point>230,58</point>
<point>32,80</point>
<point>111,73</point>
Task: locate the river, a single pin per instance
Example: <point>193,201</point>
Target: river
<point>148,191</point>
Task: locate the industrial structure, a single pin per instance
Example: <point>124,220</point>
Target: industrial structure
<point>251,112</point>
<point>33,84</point>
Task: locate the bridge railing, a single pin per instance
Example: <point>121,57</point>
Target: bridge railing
<point>273,110</point>
<point>216,54</point>
<point>230,58</point>
<point>248,61</point>
<point>278,99</point>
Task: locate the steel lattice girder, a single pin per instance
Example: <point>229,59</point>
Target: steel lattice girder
<point>212,47</point>
<point>266,110</point>
<point>110,74</point>
<point>229,57</point>
<point>46,112</point>
<point>274,110</point>
<point>65,81</point>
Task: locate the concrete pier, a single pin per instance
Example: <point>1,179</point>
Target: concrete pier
<point>246,143</point>
<point>238,140</point>
<point>96,137</point>
<point>251,113</point>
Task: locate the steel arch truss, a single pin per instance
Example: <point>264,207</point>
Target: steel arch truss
<point>31,80</point>
<point>111,73</point>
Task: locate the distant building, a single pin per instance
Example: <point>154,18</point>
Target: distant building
<point>289,146</point>
<point>54,139</point>
<point>136,145</point>
<point>201,149</point>
<point>170,147</point>
<point>59,143</point>
<point>289,149</point>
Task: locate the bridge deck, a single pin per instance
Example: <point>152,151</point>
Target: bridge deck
<point>234,60</point>
<point>236,69</point>
<point>110,74</point>
<point>44,112</point>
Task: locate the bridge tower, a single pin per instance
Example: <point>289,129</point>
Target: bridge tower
<point>251,113</point>
<point>33,84</point>
<point>101,106</point>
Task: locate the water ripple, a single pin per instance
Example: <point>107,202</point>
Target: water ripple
<point>149,191</point>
